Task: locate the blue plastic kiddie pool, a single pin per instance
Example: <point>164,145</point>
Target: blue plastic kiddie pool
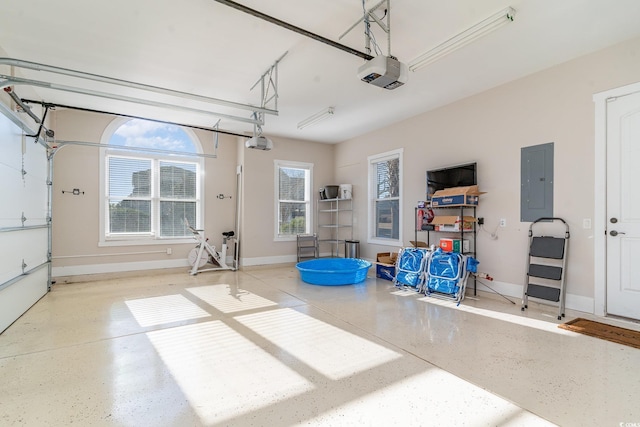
<point>333,271</point>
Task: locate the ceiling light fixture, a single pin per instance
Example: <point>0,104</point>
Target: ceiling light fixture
<point>469,35</point>
<point>319,116</point>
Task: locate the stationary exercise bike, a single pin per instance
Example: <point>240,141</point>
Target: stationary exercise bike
<point>204,253</point>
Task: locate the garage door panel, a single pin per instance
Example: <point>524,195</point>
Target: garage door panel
<point>10,169</point>
<point>22,195</point>
<point>35,208</point>
<point>24,272</point>
<point>28,245</point>
<point>12,191</point>
<point>11,141</point>
<point>18,297</point>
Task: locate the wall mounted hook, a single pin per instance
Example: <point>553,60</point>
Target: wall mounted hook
<point>75,192</point>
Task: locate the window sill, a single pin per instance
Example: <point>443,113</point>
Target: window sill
<point>385,242</point>
<point>285,238</point>
<point>145,242</point>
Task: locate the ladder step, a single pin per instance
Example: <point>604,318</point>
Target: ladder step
<point>545,271</point>
<point>547,247</point>
<point>543,292</point>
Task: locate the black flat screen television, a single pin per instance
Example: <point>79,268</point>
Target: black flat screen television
<point>454,176</point>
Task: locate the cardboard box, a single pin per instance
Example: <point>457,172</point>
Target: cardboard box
<point>418,244</point>
<point>386,265</point>
<point>388,258</point>
<point>453,223</point>
<point>456,196</point>
<point>453,245</point>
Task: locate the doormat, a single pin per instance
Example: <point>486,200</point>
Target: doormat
<point>603,331</point>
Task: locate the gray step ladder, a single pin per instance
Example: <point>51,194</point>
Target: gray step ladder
<point>307,246</point>
<point>546,266</point>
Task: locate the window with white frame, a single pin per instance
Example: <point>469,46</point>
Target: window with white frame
<point>385,197</point>
<point>293,211</point>
<point>149,189</point>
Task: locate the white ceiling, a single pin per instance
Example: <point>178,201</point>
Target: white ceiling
<point>207,48</point>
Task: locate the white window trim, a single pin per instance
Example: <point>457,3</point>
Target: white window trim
<point>137,240</point>
<point>277,164</point>
<point>371,196</point>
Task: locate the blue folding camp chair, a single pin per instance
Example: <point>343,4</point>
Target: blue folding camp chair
<point>447,274</point>
<point>411,267</point>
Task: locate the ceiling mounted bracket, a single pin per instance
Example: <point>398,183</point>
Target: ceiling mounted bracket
<point>383,22</point>
<point>268,81</point>
<point>384,71</point>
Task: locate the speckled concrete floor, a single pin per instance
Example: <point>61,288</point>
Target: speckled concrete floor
<point>260,347</point>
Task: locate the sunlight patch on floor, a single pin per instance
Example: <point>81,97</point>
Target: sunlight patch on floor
<point>330,350</point>
<point>165,309</point>
<point>518,320</point>
<point>404,292</point>
<point>230,298</point>
<point>223,374</point>
<point>433,397</point>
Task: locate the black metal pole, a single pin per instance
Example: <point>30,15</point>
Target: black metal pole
<point>295,29</point>
<point>90,110</point>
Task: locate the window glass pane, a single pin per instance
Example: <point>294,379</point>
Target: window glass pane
<point>292,184</point>
<point>293,204</point>
<point>129,177</point>
<point>177,180</point>
<point>158,136</point>
<point>172,216</point>
<point>292,218</point>
<point>129,182</point>
<point>129,216</point>
<point>387,178</point>
<point>387,215</point>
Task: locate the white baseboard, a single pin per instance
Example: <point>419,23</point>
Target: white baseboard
<point>283,259</point>
<point>78,270</point>
<point>572,302</point>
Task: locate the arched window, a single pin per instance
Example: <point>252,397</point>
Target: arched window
<point>152,181</point>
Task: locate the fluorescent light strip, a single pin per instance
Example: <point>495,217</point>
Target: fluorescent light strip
<point>462,39</point>
<point>319,116</point>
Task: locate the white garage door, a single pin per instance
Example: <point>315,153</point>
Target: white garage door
<point>24,235</point>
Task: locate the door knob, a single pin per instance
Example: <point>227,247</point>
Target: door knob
<point>614,233</point>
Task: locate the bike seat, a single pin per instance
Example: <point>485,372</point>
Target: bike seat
<point>228,233</point>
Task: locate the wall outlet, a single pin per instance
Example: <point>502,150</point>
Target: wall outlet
<point>168,251</point>
<point>586,223</point>
<point>503,222</point>
<point>480,221</point>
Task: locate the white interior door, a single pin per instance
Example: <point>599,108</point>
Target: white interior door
<point>623,206</point>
